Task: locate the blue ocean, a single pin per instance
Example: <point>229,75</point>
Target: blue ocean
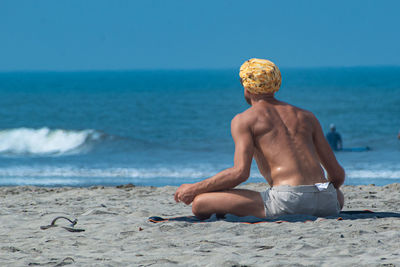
<point>170,127</point>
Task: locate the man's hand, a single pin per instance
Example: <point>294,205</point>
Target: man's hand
<point>185,194</point>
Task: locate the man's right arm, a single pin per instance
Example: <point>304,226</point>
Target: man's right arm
<point>327,158</point>
<point>231,177</point>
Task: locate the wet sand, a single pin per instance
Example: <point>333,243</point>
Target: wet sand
<point>117,232</point>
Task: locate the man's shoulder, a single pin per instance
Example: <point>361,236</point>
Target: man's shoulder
<point>241,117</point>
<point>246,117</point>
<point>245,114</point>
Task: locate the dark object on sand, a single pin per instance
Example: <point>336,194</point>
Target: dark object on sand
<point>70,229</point>
<point>343,215</point>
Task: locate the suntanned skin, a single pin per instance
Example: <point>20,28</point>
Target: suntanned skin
<point>289,147</point>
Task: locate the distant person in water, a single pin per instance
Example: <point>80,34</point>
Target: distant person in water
<point>334,138</point>
<point>290,149</point>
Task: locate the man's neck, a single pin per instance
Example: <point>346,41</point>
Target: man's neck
<point>269,98</point>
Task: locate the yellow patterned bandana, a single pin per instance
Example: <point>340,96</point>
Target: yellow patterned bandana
<point>260,76</point>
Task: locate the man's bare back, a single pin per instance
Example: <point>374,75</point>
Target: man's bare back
<point>284,143</point>
<point>287,143</point>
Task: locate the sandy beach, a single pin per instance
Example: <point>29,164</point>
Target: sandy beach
<point>117,231</point>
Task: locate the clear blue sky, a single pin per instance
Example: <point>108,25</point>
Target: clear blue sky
<point>169,34</point>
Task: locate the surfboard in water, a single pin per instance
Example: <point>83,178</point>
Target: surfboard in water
<point>356,149</point>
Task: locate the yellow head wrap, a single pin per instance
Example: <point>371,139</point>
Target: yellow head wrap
<point>260,76</point>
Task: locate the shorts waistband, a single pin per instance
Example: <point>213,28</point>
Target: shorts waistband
<point>300,188</point>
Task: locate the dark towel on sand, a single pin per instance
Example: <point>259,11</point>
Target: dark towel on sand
<point>344,215</point>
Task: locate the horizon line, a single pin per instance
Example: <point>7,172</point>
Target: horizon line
<point>189,69</point>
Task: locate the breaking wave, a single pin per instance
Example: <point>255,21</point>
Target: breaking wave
<point>45,141</point>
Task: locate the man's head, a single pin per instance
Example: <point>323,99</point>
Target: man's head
<point>260,76</point>
<point>332,127</point>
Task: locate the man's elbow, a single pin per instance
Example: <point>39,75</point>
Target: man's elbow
<point>241,174</point>
<point>342,174</point>
<point>339,177</point>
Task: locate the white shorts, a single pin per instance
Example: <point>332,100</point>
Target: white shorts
<point>313,200</point>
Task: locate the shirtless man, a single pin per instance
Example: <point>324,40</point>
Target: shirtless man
<point>289,147</point>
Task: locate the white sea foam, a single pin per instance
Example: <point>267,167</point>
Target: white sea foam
<point>71,171</point>
<point>44,141</point>
<point>157,175</point>
<point>387,174</point>
<point>156,172</point>
<point>74,176</point>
